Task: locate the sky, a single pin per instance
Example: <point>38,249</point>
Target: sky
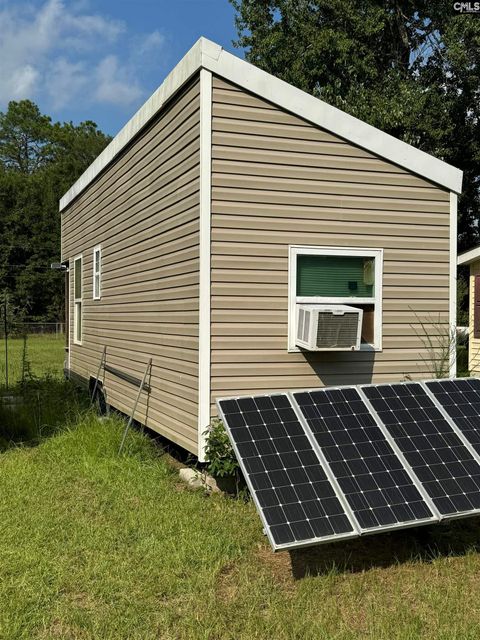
<point>100,59</point>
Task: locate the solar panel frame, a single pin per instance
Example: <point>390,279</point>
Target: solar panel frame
<point>416,483</point>
<point>266,527</point>
<point>442,517</point>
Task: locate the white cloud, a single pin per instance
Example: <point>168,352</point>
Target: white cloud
<point>66,55</point>
<point>150,44</point>
<point>113,84</point>
<point>67,82</point>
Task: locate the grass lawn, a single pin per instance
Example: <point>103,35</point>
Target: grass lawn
<point>45,353</point>
<point>97,546</point>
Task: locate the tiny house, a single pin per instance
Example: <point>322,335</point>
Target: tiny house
<point>471,259</point>
<point>248,237</point>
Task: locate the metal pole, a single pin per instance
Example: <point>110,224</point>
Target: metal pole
<point>5,324</point>
<point>130,420</point>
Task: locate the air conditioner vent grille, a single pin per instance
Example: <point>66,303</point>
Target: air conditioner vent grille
<point>337,331</point>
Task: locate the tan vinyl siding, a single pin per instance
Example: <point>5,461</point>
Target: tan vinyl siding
<point>473,343</point>
<point>278,180</point>
<point>144,212</point>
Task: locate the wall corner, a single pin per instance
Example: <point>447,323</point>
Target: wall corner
<point>204,329</point>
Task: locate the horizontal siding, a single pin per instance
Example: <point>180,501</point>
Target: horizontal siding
<point>278,180</point>
<point>473,343</point>
<point>144,211</point>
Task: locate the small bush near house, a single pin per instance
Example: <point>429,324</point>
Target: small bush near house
<point>220,457</point>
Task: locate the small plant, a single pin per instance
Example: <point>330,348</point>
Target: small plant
<point>220,457</point>
<point>221,460</point>
<point>439,341</point>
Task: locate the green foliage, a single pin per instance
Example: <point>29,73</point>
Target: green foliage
<point>24,137</point>
<point>220,457</point>
<point>37,408</point>
<point>39,161</point>
<point>409,68</point>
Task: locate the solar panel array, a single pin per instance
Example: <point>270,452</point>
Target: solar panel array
<point>461,400</point>
<point>442,463</point>
<point>374,480</point>
<point>336,463</point>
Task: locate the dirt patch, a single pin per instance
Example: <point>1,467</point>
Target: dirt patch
<point>82,600</point>
<point>60,629</point>
<point>279,565</point>
<point>227,583</point>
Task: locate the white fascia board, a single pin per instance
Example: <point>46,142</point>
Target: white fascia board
<point>469,256</point>
<point>184,70</point>
<point>334,120</point>
<point>210,56</point>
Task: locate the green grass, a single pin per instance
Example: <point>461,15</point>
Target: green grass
<point>97,546</point>
<point>45,353</point>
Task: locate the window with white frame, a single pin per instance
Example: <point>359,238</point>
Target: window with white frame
<point>97,272</point>
<point>77,299</point>
<point>336,275</point>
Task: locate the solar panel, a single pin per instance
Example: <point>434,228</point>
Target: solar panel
<point>296,500</point>
<point>461,400</point>
<point>374,480</point>
<point>443,464</point>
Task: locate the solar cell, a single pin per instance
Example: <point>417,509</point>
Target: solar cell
<point>460,398</point>
<point>376,484</point>
<point>443,464</point>
<point>297,502</point>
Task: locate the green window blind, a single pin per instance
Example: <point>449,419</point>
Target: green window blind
<point>78,278</point>
<point>335,276</point>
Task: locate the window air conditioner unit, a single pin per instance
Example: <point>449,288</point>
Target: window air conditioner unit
<point>328,327</point>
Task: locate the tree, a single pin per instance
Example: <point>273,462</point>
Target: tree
<point>409,68</point>
<point>39,161</point>
<point>24,137</point>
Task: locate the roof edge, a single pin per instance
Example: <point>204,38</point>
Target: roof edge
<point>467,257</point>
<point>334,120</point>
<point>180,74</point>
<point>208,55</point>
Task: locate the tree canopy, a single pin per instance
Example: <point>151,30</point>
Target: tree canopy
<point>410,68</point>
<point>39,161</point>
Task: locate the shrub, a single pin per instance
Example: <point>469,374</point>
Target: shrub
<point>220,457</point>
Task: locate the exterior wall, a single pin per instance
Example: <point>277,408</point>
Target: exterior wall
<point>278,180</point>
<point>473,343</point>
<point>144,211</point>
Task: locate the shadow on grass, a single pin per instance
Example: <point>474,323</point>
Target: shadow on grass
<point>420,544</point>
<point>37,409</point>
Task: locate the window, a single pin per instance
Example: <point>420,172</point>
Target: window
<point>77,300</point>
<point>97,272</point>
<point>338,276</point>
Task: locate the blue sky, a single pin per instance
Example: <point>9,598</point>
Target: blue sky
<point>100,59</point>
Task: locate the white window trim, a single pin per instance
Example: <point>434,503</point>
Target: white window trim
<point>295,250</point>
<point>77,300</point>
<point>97,294</point>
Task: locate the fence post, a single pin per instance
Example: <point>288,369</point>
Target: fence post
<point>5,326</point>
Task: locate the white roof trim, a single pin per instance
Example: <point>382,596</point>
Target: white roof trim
<point>208,55</point>
<point>469,256</point>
